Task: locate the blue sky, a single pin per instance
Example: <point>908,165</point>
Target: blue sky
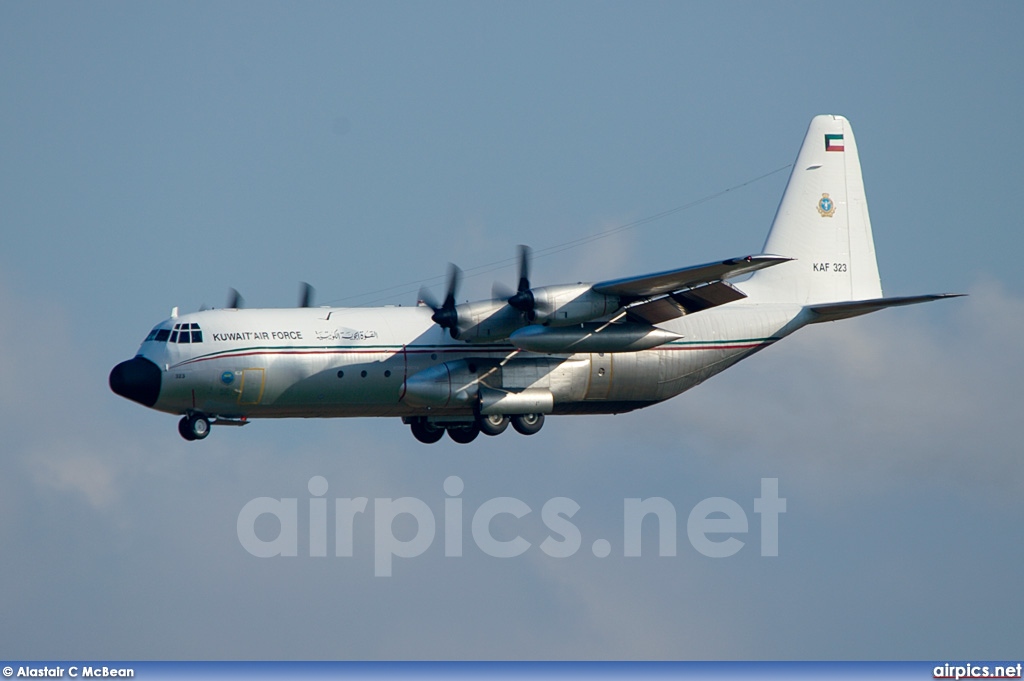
<point>155,155</point>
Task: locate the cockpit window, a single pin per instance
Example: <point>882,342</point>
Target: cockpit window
<point>187,333</point>
<point>158,335</point>
<point>181,333</point>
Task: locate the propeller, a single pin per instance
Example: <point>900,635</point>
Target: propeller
<point>306,293</point>
<point>235,300</point>
<point>523,299</point>
<point>445,315</point>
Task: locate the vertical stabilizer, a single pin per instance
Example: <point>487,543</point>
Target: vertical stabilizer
<point>823,223</point>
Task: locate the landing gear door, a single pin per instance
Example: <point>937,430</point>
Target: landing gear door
<point>251,389</point>
<point>600,376</point>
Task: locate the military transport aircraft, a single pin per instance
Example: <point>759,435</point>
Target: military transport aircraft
<point>474,367</point>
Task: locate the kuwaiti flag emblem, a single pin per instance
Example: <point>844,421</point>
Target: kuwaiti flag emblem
<point>834,143</point>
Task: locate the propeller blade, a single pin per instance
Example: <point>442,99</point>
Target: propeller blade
<point>306,293</point>
<point>525,254</point>
<point>454,277</point>
<point>428,298</point>
<point>523,299</point>
<point>447,318</point>
<point>500,291</point>
<point>235,300</point>
<point>445,315</point>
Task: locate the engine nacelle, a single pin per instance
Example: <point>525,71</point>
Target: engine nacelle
<point>529,401</point>
<point>571,304</point>
<point>450,384</point>
<point>591,337</point>
<point>487,321</point>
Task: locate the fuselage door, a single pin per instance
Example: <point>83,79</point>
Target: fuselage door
<point>600,375</point>
<point>251,389</point>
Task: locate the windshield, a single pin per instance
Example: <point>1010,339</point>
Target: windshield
<point>181,333</point>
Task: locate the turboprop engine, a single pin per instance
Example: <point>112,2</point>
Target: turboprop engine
<point>496,319</point>
<point>566,304</point>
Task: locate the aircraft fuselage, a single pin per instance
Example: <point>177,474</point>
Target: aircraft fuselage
<point>339,362</point>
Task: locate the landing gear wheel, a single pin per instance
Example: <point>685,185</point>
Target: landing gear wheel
<point>183,429</point>
<point>493,424</point>
<point>464,434</point>
<point>194,427</point>
<point>426,432</point>
<point>528,424</point>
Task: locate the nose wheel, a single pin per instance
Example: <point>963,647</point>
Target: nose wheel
<point>194,427</point>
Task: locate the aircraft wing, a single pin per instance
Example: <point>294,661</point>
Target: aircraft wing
<point>830,312</point>
<point>649,285</point>
<point>689,290</point>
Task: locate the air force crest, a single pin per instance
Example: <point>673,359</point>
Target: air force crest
<point>826,206</point>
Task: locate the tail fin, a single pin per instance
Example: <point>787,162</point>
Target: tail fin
<point>823,223</point>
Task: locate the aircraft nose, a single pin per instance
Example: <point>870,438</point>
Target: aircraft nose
<point>137,379</point>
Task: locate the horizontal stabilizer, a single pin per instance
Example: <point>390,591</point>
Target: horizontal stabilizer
<point>830,312</point>
<point>657,284</point>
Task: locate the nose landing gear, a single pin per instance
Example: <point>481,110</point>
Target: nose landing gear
<point>194,427</point>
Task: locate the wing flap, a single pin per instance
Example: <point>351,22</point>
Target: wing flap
<point>659,283</point>
<point>685,302</point>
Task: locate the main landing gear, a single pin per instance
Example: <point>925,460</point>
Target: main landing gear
<point>465,432</point>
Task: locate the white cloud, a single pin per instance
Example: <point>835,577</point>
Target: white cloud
<point>62,466</point>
